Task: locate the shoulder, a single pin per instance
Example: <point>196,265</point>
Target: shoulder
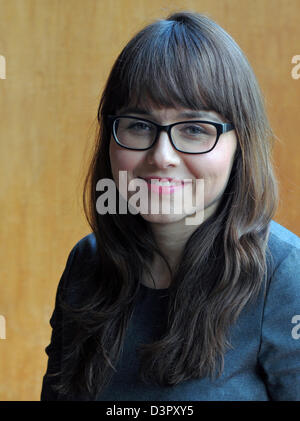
<point>279,353</point>
<point>283,249</point>
<point>86,246</point>
<point>85,251</point>
<point>282,237</point>
<point>283,290</point>
<point>80,276</point>
<point>283,258</point>
<point>283,282</point>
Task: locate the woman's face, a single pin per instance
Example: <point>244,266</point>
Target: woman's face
<point>164,161</point>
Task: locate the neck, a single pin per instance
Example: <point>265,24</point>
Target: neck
<point>171,239</point>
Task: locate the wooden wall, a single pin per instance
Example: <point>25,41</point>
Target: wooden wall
<point>57,55</point>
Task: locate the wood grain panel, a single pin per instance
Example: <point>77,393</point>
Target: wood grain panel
<point>58,54</point>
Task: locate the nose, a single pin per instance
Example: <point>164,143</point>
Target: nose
<point>163,154</point>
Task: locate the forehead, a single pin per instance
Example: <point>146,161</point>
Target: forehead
<point>170,113</point>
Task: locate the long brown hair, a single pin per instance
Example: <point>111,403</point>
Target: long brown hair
<point>190,61</point>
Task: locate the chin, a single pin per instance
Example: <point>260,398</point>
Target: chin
<point>162,219</point>
<point>192,219</point>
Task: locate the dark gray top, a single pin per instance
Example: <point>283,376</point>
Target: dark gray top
<point>264,362</point>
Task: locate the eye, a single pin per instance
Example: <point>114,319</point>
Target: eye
<point>194,130</point>
<point>139,126</point>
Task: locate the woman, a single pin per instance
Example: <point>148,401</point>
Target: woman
<point>151,307</point>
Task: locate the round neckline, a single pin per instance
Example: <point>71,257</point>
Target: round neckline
<point>156,290</point>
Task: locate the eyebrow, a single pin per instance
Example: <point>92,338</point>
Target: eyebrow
<point>184,114</point>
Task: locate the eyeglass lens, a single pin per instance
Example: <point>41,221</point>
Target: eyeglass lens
<point>190,136</point>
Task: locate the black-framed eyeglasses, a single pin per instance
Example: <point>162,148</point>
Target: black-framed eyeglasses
<point>192,137</point>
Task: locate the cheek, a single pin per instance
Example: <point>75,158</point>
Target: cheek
<point>215,169</point>
<point>211,167</point>
<point>122,159</point>
<point>217,164</point>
